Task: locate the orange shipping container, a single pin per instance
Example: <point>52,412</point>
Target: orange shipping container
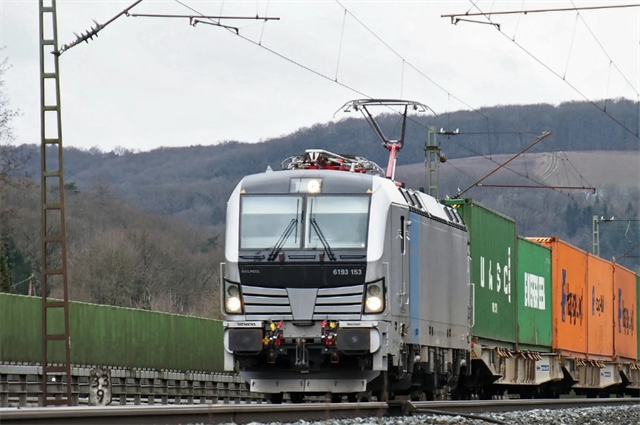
<point>569,296</point>
<point>599,308</point>
<point>625,312</point>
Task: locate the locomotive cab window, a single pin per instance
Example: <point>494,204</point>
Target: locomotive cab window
<point>340,220</point>
<point>265,220</point>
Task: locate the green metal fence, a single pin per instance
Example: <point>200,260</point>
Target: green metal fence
<point>112,336</point>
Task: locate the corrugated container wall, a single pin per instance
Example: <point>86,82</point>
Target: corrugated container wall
<point>626,310</point>
<point>638,315</point>
<point>493,256</point>
<point>600,308</point>
<point>112,336</point>
<point>568,296</point>
<point>534,296</point>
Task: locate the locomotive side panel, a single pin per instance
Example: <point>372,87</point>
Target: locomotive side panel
<point>439,288</point>
<point>398,246</point>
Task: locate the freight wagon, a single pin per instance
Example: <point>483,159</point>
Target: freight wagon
<point>591,298</point>
<point>548,317</point>
<point>111,337</point>
<point>512,331</point>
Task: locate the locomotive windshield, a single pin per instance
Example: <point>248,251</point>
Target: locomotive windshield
<point>266,219</point>
<point>342,220</point>
<point>269,220</point>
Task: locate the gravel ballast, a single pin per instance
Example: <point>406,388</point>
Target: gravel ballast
<point>605,415</point>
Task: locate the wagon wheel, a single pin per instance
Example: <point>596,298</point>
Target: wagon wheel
<point>418,395</point>
<point>296,398</point>
<point>275,398</point>
<point>382,395</point>
<point>364,397</point>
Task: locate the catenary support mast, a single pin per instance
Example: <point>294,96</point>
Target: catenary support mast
<point>56,342</point>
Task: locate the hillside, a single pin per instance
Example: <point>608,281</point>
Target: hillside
<point>193,183</point>
<point>117,254</point>
<point>145,228</point>
<point>599,169</point>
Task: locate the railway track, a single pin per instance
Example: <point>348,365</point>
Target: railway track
<point>246,413</point>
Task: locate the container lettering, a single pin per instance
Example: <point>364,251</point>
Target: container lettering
<point>503,283</point>
<point>534,291</point>
<point>626,318</point>
<point>597,304</point>
<point>571,302</point>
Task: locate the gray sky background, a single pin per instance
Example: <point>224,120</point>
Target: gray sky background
<point>146,83</point>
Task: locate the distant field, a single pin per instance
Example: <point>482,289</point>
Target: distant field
<point>598,169</point>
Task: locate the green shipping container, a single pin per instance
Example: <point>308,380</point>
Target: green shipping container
<point>534,296</point>
<point>111,336</point>
<point>493,256</point>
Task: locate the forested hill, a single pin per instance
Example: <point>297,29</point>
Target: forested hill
<point>194,182</point>
<point>121,255</point>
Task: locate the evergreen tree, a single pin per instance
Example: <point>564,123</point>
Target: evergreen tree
<point>5,279</point>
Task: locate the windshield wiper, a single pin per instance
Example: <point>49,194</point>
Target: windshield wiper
<point>323,240</point>
<point>287,232</point>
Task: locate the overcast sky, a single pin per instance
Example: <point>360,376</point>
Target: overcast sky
<point>146,83</point>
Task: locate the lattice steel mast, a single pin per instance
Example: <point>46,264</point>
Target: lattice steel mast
<point>53,232</point>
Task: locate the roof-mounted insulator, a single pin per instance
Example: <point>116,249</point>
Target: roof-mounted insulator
<point>318,159</point>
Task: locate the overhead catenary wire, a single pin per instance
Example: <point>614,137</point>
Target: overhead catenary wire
<point>264,24</point>
<point>280,55</point>
<point>395,52</point>
<point>573,38</point>
<point>344,21</point>
<point>512,12</point>
<point>320,74</point>
<point>535,58</point>
<point>433,82</point>
<point>635,134</point>
<point>611,61</point>
<point>535,142</point>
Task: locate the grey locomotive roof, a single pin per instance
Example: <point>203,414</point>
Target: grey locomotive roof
<point>332,181</point>
<point>335,182</point>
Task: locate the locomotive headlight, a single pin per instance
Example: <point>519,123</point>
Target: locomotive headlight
<point>233,304</point>
<point>232,299</point>
<point>374,301</point>
<point>232,291</point>
<point>313,186</point>
<point>305,185</point>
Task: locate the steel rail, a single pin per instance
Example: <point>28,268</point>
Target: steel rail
<point>480,406</point>
<point>173,415</point>
<point>246,413</point>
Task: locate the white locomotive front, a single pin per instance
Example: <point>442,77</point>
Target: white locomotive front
<point>342,282</point>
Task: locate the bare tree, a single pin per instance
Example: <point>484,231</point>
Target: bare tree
<point>12,158</point>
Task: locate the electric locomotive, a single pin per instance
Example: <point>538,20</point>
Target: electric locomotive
<point>340,281</point>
